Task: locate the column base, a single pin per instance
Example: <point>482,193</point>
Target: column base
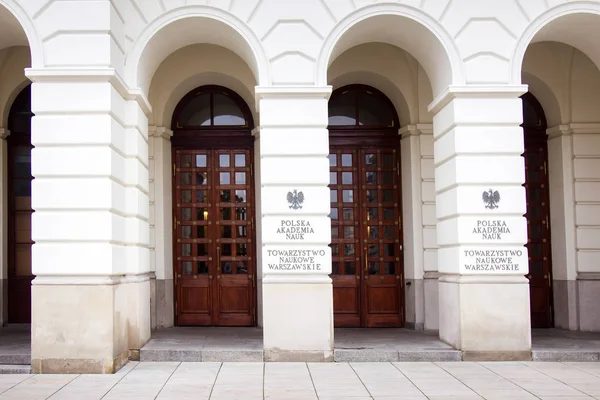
<point>588,293</point>
<point>165,313</point>
<point>297,321</point>
<point>414,304</point>
<point>88,325</point>
<point>486,317</point>
<point>432,306</point>
<point>79,366</point>
<point>565,304</point>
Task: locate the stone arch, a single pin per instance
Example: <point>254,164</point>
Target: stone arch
<point>437,51</point>
<point>197,65</point>
<point>583,20</point>
<point>191,25</point>
<point>29,29</point>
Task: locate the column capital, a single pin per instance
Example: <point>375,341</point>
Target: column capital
<point>96,74</point>
<point>160,131</point>
<point>415,130</point>
<point>293,92</point>
<point>4,133</point>
<point>476,91</point>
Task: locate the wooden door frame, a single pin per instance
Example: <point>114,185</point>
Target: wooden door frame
<point>16,138</point>
<point>539,135</point>
<point>213,138</point>
<point>360,138</point>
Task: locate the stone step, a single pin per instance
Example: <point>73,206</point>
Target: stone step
<point>15,359</point>
<point>565,355</point>
<point>201,355</point>
<point>392,355</point>
<point>15,369</point>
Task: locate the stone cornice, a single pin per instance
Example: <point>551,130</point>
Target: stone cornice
<point>588,276</point>
<point>476,91</point>
<point>578,128</point>
<point>4,133</point>
<point>90,280</point>
<point>91,75</point>
<point>308,92</point>
<point>160,131</point>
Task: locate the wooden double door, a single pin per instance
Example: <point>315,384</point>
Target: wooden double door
<point>214,265</point>
<point>367,269</point>
<point>538,228</point>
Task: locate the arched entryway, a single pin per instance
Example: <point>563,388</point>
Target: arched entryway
<point>19,209</point>
<point>213,198</point>
<point>366,229</point>
<point>538,212</point>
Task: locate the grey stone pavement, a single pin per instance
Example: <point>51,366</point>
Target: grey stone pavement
<point>351,381</point>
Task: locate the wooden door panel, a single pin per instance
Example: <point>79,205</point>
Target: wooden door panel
<point>214,261</point>
<point>194,305</point>
<point>538,228</point>
<point>19,226</point>
<point>365,214</point>
<point>345,216</point>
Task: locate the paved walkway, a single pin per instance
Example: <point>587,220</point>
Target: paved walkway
<point>354,381</point>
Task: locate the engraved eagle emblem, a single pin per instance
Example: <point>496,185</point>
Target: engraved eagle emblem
<point>491,198</point>
<point>295,199</point>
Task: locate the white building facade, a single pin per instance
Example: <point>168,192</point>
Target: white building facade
<point>298,165</point>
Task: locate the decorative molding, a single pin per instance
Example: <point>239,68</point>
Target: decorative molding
<point>415,130</point>
<point>91,75</point>
<point>270,278</point>
<point>574,128</point>
<point>558,131</point>
<point>588,276</point>
<point>483,279</point>
<point>160,131</point>
<point>4,133</point>
<point>90,280</point>
<point>476,91</point>
<point>431,275</point>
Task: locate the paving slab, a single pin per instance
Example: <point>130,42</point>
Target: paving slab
<point>306,381</point>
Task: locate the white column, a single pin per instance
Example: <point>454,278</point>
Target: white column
<point>161,226</point>
<point>3,226</point>
<point>483,293</point>
<point>296,230</point>
<point>91,296</point>
<point>412,226</point>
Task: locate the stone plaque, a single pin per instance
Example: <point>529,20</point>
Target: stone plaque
<point>495,260</point>
<point>297,259</point>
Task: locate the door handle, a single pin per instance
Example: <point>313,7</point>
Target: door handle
<point>366,261</point>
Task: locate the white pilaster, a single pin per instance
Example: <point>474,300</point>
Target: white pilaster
<point>294,175</point>
<point>412,226</point>
<point>479,172</point>
<point>562,222</point>
<point>161,225</point>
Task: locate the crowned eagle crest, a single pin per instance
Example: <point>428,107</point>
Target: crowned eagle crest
<point>491,198</point>
<point>295,199</point>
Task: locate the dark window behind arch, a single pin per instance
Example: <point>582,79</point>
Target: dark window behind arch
<point>361,107</point>
<point>533,113</point>
<point>212,107</point>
